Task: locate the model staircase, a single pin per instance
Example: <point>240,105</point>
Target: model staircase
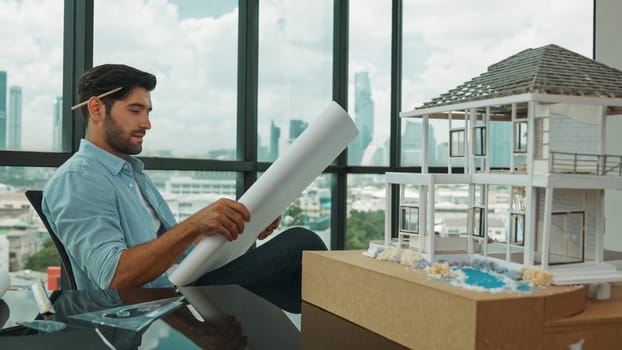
<point>585,273</point>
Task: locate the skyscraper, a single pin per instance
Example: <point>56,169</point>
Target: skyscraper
<point>296,127</point>
<point>14,122</point>
<point>363,117</point>
<point>412,144</point>
<point>57,124</point>
<point>275,136</point>
<point>500,153</point>
<point>442,153</point>
<point>3,125</point>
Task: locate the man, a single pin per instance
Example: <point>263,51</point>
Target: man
<point>116,227</point>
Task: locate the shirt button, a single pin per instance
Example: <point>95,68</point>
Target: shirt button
<point>131,185</point>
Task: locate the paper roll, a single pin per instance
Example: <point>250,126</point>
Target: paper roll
<point>5,282</point>
<point>304,160</point>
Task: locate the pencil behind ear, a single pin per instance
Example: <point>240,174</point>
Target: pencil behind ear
<point>99,96</point>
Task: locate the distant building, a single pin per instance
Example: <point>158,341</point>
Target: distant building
<point>14,121</point>
<point>296,127</point>
<point>185,185</point>
<point>412,144</point>
<point>363,117</point>
<point>275,137</point>
<point>18,229</point>
<point>57,124</point>
<point>186,195</point>
<point>22,241</point>
<point>221,154</point>
<point>500,152</point>
<point>442,151</point>
<point>13,205</point>
<point>315,202</point>
<point>368,198</point>
<point>374,155</point>
<point>3,110</point>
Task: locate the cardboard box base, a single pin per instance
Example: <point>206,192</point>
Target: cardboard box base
<point>416,311</point>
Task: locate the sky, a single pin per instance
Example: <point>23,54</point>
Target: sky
<point>191,46</point>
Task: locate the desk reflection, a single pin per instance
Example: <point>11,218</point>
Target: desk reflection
<point>221,317</point>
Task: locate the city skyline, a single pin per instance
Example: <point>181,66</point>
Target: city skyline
<point>192,48</point>
<point>361,151</point>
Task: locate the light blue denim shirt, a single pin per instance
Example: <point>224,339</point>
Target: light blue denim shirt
<point>92,205</point>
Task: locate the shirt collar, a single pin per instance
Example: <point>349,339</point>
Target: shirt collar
<point>111,162</point>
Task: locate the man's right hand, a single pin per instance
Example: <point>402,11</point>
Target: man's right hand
<point>225,217</point>
<point>145,262</point>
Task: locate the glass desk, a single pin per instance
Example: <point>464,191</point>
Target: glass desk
<point>210,317</point>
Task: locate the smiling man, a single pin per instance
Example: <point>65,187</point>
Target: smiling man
<point>115,225</point>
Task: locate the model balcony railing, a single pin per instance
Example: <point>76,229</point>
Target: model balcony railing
<point>585,164</point>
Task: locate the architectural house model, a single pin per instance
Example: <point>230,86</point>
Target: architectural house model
<point>555,104</point>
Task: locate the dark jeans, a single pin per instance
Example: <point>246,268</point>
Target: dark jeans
<point>272,270</point>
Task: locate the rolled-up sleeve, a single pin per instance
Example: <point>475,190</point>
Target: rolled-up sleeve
<point>82,208</point>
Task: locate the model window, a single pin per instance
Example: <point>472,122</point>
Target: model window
<point>478,222</point>
<point>566,241</point>
<point>480,141</point>
<point>456,147</point>
<point>517,229</point>
<point>409,219</point>
<point>520,137</point>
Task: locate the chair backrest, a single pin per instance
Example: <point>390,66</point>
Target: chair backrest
<point>68,280</point>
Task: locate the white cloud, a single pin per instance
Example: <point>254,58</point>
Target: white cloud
<point>461,43</point>
<point>453,46</point>
<point>194,61</point>
<point>31,42</point>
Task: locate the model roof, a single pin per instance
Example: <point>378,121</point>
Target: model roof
<point>549,69</point>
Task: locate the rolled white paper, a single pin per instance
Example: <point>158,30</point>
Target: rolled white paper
<point>5,282</point>
<point>304,160</point>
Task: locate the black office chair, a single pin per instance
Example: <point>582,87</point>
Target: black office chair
<point>67,281</point>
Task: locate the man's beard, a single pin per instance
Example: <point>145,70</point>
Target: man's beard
<point>116,138</point>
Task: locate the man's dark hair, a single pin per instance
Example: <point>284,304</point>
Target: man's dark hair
<point>106,77</point>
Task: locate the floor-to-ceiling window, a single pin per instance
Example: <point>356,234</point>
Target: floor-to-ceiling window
<point>294,86</point>
<point>369,95</point>
<point>194,49</point>
<point>295,62</point>
<point>31,78</point>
